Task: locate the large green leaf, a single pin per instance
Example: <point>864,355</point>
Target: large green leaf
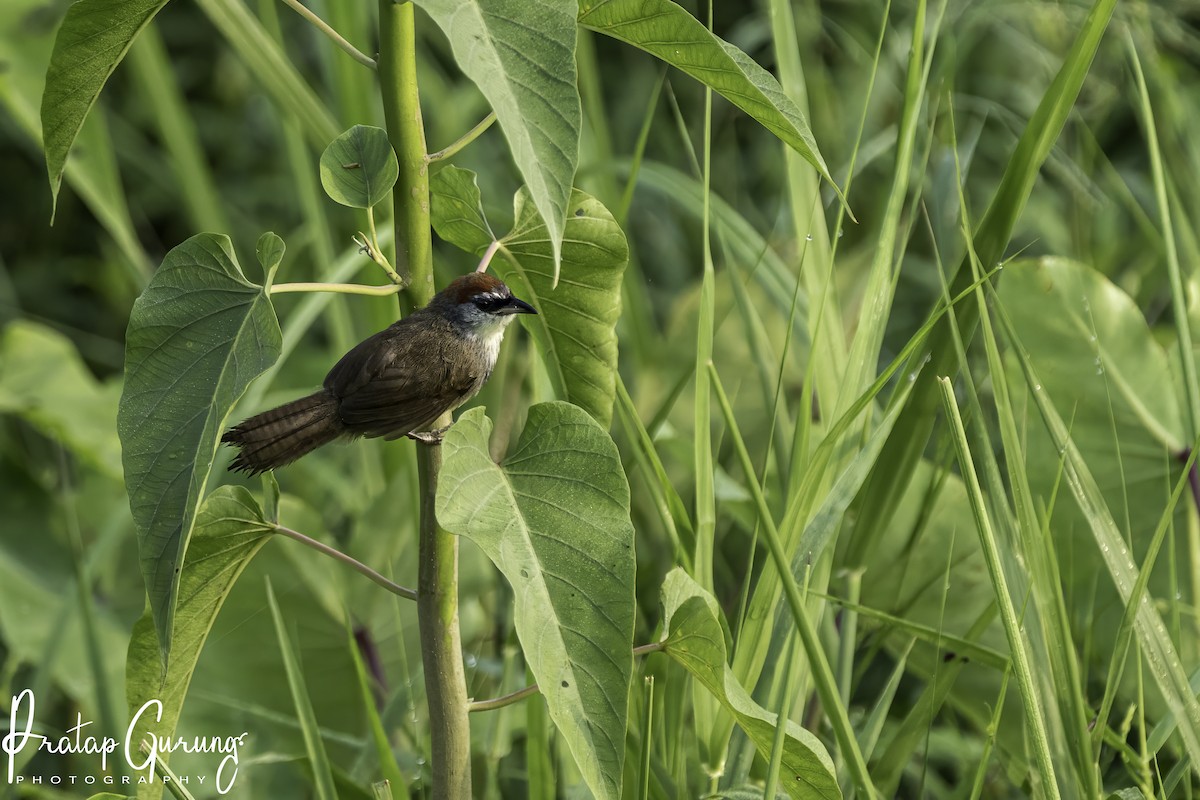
<point>1163,660</point>
<point>94,37</point>
<point>666,30</point>
<point>197,337</point>
<point>695,638</point>
<point>230,529</point>
<point>1096,354</point>
<point>44,381</point>
<point>576,323</point>
<point>575,327</point>
<point>522,57</point>
<point>1099,362</point>
<point>554,517</point>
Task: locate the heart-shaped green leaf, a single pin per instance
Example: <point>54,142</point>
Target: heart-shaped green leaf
<point>359,167</point>
<point>554,517</point>
<point>695,638</point>
<point>197,337</point>
<point>521,55</point>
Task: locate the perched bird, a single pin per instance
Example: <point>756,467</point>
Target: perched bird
<point>396,383</point>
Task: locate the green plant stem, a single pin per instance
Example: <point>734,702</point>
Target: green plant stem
<point>355,564</point>
<point>406,131</point>
<point>437,559</point>
<point>173,784</point>
<point>464,140</point>
<point>505,699</point>
<point>337,288</point>
<point>376,252</point>
<point>441,646</point>
<point>325,28</point>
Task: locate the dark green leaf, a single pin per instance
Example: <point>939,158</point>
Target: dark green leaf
<point>554,517</point>
<point>359,168</point>
<point>197,337</point>
<point>94,37</point>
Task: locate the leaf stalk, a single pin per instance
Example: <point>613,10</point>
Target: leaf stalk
<point>325,28</point>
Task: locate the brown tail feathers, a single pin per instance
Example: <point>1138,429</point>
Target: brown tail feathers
<point>280,436</point>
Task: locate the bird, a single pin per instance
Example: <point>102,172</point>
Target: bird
<point>395,383</point>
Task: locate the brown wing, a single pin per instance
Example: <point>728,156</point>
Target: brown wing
<point>397,381</point>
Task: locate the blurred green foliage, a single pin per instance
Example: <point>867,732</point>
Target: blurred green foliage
<point>70,588</point>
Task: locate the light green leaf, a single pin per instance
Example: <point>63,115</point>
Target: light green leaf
<point>575,327</point>
<point>576,323</point>
<point>94,37</point>
<point>521,55</point>
<point>44,381</point>
<point>695,638</point>
<point>456,209</point>
<point>230,530</point>
<point>1163,660</point>
<point>554,517</point>
<point>197,337</point>
<point>270,250</point>
<point>666,30</point>
<point>1096,354</point>
<point>359,168</point>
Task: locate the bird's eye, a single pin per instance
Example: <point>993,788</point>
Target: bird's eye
<point>489,302</point>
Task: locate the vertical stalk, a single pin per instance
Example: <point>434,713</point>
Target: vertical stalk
<point>402,115</point>
<point>437,572</point>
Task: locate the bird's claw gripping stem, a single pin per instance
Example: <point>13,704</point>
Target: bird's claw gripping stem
<point>428,437</point>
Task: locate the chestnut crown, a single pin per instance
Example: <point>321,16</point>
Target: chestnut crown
<point>478,300</point>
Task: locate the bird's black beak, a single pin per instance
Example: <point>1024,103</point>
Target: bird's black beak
<point>516,306</point>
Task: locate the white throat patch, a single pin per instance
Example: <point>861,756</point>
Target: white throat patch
<point>490,334</point>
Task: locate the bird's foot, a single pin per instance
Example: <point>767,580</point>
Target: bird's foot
<point>428,437</point>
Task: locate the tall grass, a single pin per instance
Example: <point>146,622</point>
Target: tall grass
<point>962,560</point>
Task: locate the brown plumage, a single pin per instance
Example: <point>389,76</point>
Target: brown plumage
<point>394,383</point>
